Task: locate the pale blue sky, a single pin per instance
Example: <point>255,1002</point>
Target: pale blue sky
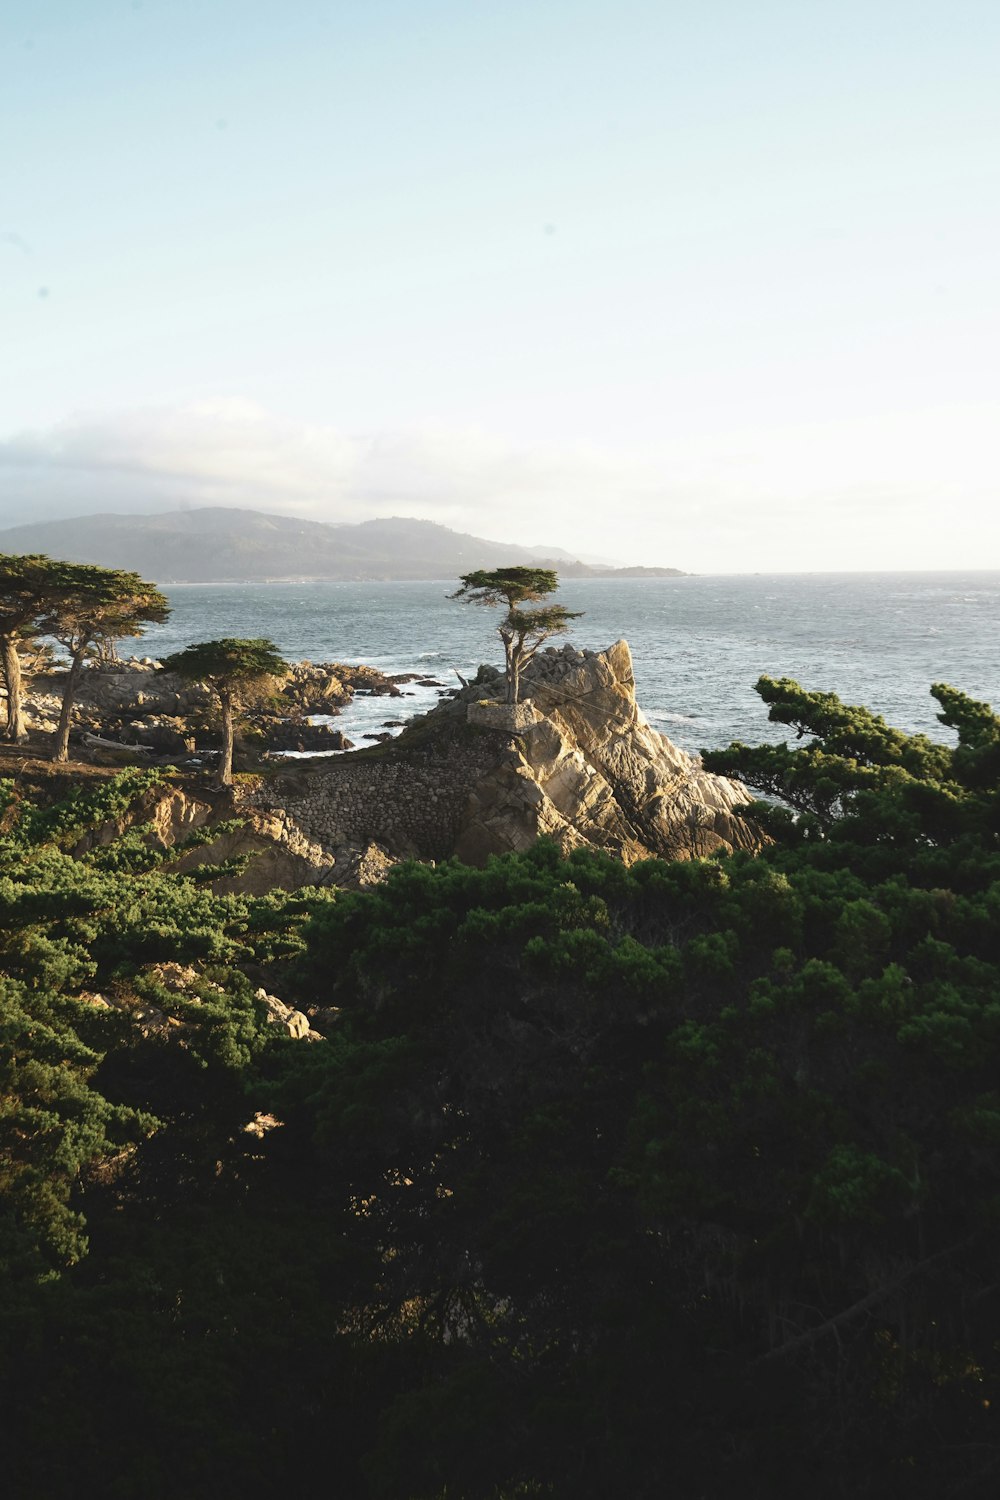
<point>705,283</point>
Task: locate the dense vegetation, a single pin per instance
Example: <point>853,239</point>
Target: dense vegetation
<point>681,1179</point>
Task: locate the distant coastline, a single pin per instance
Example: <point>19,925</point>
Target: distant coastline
<point>652,575</point>
<point>219,545</point>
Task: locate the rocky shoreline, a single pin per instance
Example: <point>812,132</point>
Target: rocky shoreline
<point>136,709</point>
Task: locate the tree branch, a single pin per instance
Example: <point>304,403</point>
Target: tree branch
<point>803,1340</point>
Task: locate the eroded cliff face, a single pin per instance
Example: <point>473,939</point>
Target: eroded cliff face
<point>589,771</point>
<point>278,853</point>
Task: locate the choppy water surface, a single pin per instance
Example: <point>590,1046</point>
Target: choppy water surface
<point>698,644</point>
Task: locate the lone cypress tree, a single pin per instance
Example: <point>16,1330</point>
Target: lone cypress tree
<point>234,669</point>
<point>521,630</point>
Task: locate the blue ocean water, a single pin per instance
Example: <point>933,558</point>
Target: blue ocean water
<point>698,643</point>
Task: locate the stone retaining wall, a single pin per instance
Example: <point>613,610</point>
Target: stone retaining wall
<point>411,806</point>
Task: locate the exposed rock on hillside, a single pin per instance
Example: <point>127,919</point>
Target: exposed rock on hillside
<point>293,1021</point>
<point>278,855</point>
<point>184,982</point>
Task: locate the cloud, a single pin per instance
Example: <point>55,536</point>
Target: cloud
<point>909,490</point>
<point>11,237</point>
<point>234,453</point>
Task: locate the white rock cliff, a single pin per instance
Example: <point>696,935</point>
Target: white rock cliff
<point>591,771</point>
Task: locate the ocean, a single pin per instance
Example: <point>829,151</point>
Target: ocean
<point>698,643</point>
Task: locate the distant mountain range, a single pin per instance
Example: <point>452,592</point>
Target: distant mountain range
<point>221,545</point>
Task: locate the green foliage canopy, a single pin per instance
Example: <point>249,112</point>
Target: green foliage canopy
<point>727,1127</point>
<point>96,604</point>
<point>229,664</point>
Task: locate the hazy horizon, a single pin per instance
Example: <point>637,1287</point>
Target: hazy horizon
<point>700,287</point>
<point>540,548</point>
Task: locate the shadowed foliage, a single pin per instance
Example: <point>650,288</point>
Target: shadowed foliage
<point>676,1179</point>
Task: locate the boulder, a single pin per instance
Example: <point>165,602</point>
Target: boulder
<point>280,1014</point>
<point>315,689</point>
<point>359,870</point>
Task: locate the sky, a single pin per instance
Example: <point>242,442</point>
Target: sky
<point>709,284</point>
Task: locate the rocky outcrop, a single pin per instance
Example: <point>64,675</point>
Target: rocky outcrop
<point>277,1013</point>
<point>576,761</point>
<point>268,846</point>
<point>588,770</point>
<point>271,851</point>
<point>183,982</point>
<point>324,688</point>
<point>274,852</point>
<point>148,1019</point>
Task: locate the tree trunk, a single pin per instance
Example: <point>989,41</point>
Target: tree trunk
<point>226,763</point>
<point>512,651</point>
<point>61,752</point>
<point>15,729</point>
<point>513,675</point>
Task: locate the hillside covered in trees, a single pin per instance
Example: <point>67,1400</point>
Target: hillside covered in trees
<point>571,1179</point>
